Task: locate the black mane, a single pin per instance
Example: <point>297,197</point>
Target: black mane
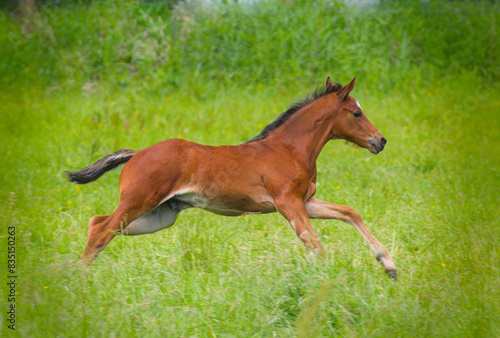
<point>319,92</point>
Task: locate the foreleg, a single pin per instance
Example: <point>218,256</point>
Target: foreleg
<point>294,210</point>
<point>325,210</point>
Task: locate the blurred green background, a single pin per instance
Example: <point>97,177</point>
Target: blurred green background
<point>80,79</point>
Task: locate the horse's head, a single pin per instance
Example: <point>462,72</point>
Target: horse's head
<point>351,123</point>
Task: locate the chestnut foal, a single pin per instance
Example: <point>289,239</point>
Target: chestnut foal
<point>274,171</point>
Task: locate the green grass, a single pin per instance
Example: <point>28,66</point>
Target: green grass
<point>431,197</point>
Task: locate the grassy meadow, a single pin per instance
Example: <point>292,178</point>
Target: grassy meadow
<point>95,77</point>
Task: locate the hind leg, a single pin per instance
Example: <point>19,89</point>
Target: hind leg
<point>130,221</point>
<point>102,229</point>
<point>162,217</point>
<point>96,220</point>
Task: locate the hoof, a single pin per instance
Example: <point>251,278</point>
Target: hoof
<point>87,260</point>
<point>84,261</point>
<point>392,273</point>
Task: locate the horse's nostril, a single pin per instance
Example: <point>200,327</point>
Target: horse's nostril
<point>383,141</point>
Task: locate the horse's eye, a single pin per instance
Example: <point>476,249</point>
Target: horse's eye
<point>357,114</point>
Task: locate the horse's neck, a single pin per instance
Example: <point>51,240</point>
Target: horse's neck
<point>305,134</point>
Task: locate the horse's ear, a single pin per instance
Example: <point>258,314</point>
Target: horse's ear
<point>342,94</point>
<point>329,84</point>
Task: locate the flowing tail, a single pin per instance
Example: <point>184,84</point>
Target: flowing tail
<point>96,170</point>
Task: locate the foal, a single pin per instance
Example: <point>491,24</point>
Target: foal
<point>274,171</point>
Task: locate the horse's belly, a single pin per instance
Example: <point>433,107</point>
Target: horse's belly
<point>229,205</point>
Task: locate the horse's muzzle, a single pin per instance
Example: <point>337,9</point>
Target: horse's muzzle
<point>377,143</point>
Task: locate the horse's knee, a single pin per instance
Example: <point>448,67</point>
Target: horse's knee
<point>351,215</point>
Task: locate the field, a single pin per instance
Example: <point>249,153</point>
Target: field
<point>95,77</point>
